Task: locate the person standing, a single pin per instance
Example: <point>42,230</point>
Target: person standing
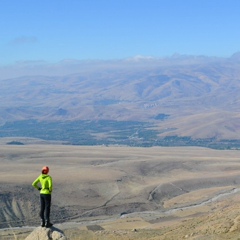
<point>45,189</point>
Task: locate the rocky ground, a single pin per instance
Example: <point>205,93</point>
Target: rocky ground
<point>216,221</point>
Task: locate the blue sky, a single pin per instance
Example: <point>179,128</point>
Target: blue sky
<point>53,30</point>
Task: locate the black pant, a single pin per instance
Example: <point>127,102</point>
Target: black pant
<point>45,200</point>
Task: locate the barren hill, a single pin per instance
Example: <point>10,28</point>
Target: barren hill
<point>107,192</point>
<point>200,95</point>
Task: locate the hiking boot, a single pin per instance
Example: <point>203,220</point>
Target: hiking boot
<point>48,225</point>
<point>43,223</point>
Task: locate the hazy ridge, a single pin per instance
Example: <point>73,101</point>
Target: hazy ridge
<point>199,94</point>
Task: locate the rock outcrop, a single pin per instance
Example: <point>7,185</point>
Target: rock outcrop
<point>46,234</point>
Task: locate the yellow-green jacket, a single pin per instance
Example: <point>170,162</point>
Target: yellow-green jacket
<point>46,184</point>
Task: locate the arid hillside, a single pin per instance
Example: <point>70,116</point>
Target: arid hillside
<point>193,96</point>
<point>104,192</point>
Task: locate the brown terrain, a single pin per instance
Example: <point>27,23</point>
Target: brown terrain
<point>121,192</point>
<point>200,95</point>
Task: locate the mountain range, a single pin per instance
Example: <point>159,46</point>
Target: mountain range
<point>194,96</point>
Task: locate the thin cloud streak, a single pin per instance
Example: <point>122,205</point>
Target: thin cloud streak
<point>24,40</point>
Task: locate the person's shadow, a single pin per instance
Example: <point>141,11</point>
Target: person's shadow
<point>54,229</point>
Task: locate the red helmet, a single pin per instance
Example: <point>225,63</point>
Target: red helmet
<point>45,170</point>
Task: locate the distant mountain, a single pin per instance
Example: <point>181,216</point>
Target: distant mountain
<point>199,94</point>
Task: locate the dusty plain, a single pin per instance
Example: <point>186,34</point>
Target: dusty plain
<point>120,192</point>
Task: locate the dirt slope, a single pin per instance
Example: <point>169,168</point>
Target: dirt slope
<point>106,192</point>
